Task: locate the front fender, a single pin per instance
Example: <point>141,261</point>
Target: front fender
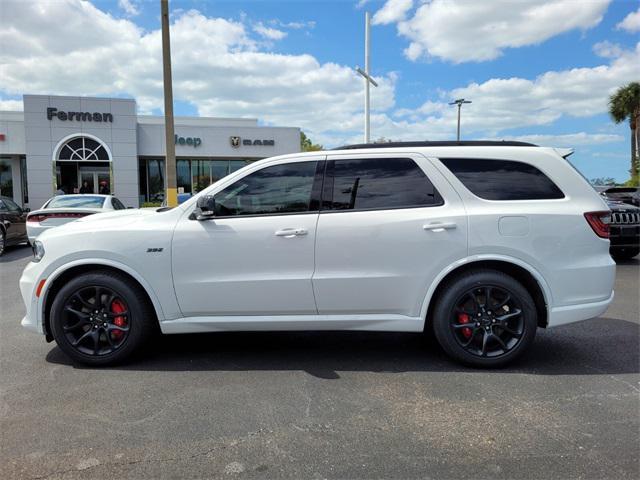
<point>57,271</point>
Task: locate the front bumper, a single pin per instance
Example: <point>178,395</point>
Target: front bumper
<point>28,282</point>
<point>624,236</point>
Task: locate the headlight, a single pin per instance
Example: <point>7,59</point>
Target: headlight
<point>38,251</point>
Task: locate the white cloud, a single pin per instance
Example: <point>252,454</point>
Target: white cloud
<point>73,48</point>
<point>630,23</point>
<point>463,31</point>
<point>129,7</point>
<point>13,105</point>
<point>505,103</point>
<point>607,49</point>
<point>268,32</point>
<point>392,11</point>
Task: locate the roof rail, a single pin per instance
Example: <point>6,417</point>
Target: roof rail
<point>462,143</point>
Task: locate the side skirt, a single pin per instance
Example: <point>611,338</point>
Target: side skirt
<point>373,323</point>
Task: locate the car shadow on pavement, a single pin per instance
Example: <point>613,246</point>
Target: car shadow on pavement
<point>593,347</point>
<point>16,252</point>
<point>630,261</point>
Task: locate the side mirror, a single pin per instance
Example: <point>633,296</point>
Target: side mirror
<point>26,209</point>
<point>205,207</point>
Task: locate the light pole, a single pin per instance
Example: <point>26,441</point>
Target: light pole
<point>459,102</point>
<point>170,161</point>
<point>367,78</point>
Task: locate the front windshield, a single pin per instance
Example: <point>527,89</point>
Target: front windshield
<point>76,201</point>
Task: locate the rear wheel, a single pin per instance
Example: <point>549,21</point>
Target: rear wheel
<point>101,318</point>
<point>3,240</point>
<point>624,253</point>
<point>485,318</point>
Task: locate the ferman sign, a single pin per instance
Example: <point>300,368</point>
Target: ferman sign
<point>53,112</point>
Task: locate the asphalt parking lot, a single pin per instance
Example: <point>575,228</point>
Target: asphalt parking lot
<point>323,405</point>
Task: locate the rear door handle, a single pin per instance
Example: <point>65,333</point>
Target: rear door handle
<point>439,226</point>
<point>291,232</point>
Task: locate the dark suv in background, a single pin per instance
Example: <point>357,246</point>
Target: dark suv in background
<point>624,230</point>
<point>12,223</point>
<point>630,195</point>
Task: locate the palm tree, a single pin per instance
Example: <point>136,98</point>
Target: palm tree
<point>623,104</point>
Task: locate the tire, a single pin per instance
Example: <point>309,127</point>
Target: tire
<point>3,241</point>
<point>125,329</point>
<point>624,253</point>
<point>508,333</point>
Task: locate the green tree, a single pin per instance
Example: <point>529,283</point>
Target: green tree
<point>625,104</point>
<point>306,145</point>
<point>603,181</point>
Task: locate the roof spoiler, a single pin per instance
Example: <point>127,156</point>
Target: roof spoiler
<point>564,152</point>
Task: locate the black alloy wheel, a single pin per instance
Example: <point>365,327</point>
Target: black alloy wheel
<point>95,320</point>
<point>487,321</point>
<point>101,318</point>
<point>484,318</point>
<point>3,241</point>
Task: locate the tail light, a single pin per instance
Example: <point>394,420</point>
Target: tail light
<point>599,222</point>
<point>41,217</point>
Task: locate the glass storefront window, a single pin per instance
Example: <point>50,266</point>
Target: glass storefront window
<point>201,171</point>
<point>193,175</point>
<point>183,175</point>
<point>236,165</point>
<point>219,169</point>
<point>6,178</point>
<point>156,179</point>
<point>23,176</point>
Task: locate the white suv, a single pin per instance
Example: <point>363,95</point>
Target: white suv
<point>483,242</point>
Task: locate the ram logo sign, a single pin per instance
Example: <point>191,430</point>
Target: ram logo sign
<point>247,142</point>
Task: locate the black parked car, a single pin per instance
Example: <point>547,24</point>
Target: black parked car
<point>624,230</point>
<point>630,195</point>
<point>13,223</point>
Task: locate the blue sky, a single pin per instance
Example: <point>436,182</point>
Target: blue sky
<point>539,71</point>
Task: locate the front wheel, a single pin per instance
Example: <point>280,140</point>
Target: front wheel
<point>100,318</point>
<point>485,318</point>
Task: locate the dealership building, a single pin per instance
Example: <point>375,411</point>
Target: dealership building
<point>103,145</point>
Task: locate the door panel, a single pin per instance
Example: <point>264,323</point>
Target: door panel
<point>383,261</point>
<point>256,256</point>
<point>241,266</point>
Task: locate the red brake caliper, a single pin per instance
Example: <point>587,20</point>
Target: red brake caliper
<point>118,307</point>
<point>464,318</point>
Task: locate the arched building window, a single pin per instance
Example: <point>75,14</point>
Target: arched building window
<point>83,149</point>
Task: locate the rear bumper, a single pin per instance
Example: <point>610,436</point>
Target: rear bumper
<point>575,313</point>
<point>34,230</point>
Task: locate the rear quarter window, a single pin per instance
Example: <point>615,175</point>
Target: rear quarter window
<point>503,179</point>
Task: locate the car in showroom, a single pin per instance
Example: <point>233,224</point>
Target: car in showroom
<point>63,209</point>
<point>12,223</point>
<point>624,229</point>
<point>481,242</point>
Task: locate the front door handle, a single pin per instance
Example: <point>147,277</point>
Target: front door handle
<point>291,232</point>
<point>439,226</point>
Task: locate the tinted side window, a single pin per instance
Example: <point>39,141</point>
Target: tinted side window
<point>377,183</point>
<point>117,204</point>
<point>272,190</point>
<point>12,206</point>
<point>503,179</point>
<point>3,206</point>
